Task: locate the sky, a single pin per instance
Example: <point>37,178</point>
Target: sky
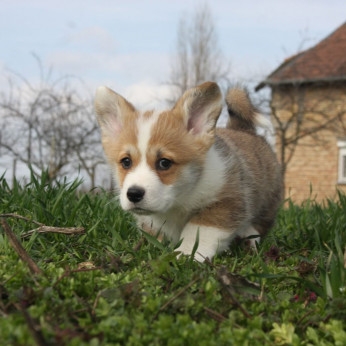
<point>128,45</point>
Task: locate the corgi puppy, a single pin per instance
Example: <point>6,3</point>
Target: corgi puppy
<point>186,179</point>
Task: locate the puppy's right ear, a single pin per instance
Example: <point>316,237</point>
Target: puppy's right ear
<point>200,108</point>
<point>111,110</point>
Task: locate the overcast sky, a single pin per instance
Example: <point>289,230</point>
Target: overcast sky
<point>127,45</point>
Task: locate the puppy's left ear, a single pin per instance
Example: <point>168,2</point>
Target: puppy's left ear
<point>200,108</point>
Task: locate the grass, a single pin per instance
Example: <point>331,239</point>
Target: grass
<point>115,285</point>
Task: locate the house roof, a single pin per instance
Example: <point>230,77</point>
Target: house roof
<point>324,62</point>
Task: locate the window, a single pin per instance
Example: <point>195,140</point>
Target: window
<point>342,162</point>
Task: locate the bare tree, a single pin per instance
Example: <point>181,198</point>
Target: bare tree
<point>198,57</point>
<point>49,125</point>
<point>302,115</point>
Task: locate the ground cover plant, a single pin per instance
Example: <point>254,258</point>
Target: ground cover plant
<point>106,283</point>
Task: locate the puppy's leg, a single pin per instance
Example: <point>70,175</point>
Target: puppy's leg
<point>250,231</point>
<point>212,240</point>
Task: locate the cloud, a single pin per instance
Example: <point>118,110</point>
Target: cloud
<point>138,77</point>
<point>93,37</point>
<point>115,69</point>
<point>148,95</point>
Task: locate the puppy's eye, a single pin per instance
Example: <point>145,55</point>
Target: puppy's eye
<point>126,162</point>
<point>163,164</point>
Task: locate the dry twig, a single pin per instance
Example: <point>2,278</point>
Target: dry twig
<point>138,246</point>
<point>20,217</point>
<point>50,229</point>
<point>35,332</point>
<point>226,282</point>
<point>43,228</point>
<point>179,293</point>
<point>215,315</point>
<point>19,248</point>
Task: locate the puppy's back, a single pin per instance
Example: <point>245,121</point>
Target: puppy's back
<point>261,177</point>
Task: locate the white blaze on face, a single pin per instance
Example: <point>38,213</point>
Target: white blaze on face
<point>157,196</point>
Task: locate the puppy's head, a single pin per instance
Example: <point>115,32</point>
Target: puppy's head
<point>157,157</point>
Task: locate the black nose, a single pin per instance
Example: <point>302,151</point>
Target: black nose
<point>135,194</point>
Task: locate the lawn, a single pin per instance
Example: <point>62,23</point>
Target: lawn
<point>107,283</point>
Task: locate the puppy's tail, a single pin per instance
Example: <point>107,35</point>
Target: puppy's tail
<point>243,115</point>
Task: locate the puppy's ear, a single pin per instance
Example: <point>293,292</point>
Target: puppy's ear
<point>200,108</point>
<point>111,110</point>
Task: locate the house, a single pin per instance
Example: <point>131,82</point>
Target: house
<point>308,110</point>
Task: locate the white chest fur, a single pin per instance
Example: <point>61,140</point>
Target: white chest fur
<point>191,199</point>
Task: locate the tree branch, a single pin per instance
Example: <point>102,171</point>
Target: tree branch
<point>19,248</point>
<point>60,230</point>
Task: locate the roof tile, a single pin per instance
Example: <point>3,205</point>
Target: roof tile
<point>324,61</point>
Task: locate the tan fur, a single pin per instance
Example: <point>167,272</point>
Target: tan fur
<point>262,173</point>
<point>247,190</point>
<point>125,144</point>
<point>254,188</point>
<point>255,183</point>
<point>169,140</point>
<point>193,101</point>
<point>241,111</point>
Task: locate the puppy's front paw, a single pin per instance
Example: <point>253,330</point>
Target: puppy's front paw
<point>210,241</point>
